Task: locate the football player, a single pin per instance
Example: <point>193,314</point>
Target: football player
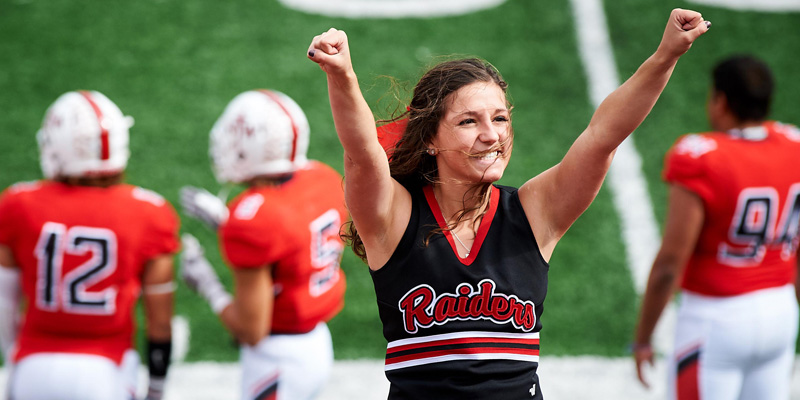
<point>78,249</point>
<point>730,244</point>
<point>281,240</point>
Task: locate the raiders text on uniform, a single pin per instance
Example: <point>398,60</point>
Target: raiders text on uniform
<point>422,308</point>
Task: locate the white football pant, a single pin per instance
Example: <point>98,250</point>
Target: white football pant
<point>72,376</point>
<point>287,367</point>
<point>739,347</point>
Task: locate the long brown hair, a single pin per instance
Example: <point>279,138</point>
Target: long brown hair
<point>410,164</point>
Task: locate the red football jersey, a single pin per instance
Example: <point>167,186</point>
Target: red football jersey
<point>81,251</point>
<point>750,187</point>
<point>294,227</point>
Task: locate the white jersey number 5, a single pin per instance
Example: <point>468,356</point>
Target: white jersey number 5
<point>326,252</point>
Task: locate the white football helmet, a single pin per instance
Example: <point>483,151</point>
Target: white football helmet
<point>261,132</point>
<point>83,134</point>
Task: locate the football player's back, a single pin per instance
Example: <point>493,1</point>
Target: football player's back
<point>730,243</point>
<point>81,250</point>
<point>85,246</point>
<point>280,238</point>
<point>296,229</point>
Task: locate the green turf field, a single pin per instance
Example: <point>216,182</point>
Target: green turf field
<point>174,65</point>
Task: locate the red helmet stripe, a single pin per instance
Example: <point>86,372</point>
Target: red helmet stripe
<point>104,147</point>
<point>295,128</point>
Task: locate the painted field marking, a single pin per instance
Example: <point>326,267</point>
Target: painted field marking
<point>753,5</point>
<point>390,8</point>
<point>599,377</point>
<point>640,232</point>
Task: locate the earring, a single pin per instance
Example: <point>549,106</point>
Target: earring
<point>433,152</point>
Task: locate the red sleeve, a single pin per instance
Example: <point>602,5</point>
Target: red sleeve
<point>685,164</point>
<point>162,237</point>
<point>253,242</point>
<point>11,210</point>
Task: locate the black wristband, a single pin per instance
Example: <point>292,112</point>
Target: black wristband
<point>158,357</point>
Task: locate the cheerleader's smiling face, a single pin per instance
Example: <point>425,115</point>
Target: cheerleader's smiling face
<point>473,141</point>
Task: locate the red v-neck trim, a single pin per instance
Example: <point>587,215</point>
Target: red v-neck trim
<point>483,229</point>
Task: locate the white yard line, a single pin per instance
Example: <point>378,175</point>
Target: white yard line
<point>596,378</point>
<point>390,8</point>
<point>640,232</point>
<point>626,180</point>
<point>752,5</point>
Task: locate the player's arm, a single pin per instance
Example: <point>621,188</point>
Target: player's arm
<point>685,215</point>
<point>378,204</point>
<point>158,288</point>
<point>556,198</point>
<point>9,301</point>
<point>248,315</point>
<point>248,318</point>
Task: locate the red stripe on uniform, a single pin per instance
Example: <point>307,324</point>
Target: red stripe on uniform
<point>295,128</point>
<point>462,341</point>
<point>267,389</point>
<point>483,229</point>
<point>687,381</point>
<point>467,350</point>
<point>104,147</point>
